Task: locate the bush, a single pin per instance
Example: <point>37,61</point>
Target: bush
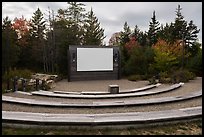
<point>164,77</point>
<point>138,77</point>
<point>134,77</point>
<point>195,64</point>
<point>24,73</point>
<point>182,76</point>
<point>21,73</point>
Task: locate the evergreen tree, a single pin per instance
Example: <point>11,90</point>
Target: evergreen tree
<point>124,38</point>
<point>136,32</point>
<point>192,33</point>
<point>93,34</point>
<point>125,34</point>
<point>38,40</point>
<point>166,33</point>
<point>180,25</point>
<point>68,30</point>
<point>10,50</point>
<point>74,15</point>
<point>140,36</point>
<point>153,30</point>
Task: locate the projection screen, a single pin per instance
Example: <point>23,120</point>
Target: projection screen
<point>94,59</point>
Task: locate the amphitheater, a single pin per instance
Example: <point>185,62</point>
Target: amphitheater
<point>88,104</point>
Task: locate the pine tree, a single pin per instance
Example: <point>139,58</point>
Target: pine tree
<point>192,33</point>
<point>74,15</point>
<point>166,33</point>
<point>180,25</point>
<point>38,40</point>
<point>153,30</point>
<point>68,30</point>
<point>93,34</point>
<point>124,38</point>
<point>136,32</point>
<point>125,34</point>
<point>10,50</point>
<point>140,36</point>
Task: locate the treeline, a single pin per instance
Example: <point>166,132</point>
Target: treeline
<point>162,50</point>
<point>41,43</point>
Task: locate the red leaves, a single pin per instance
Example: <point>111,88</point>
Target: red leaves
<point>21,26</point>
<point>131,44</point>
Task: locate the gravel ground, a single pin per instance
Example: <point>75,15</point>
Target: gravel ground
<point>191,86</point>
<point>144,108</point>
<point>97,85</point>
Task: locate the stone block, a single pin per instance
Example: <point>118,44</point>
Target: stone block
<point>113,89</point>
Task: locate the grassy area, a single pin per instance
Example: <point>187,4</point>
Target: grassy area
<point>187,128</point>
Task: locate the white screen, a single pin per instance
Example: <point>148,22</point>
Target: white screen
<point>94,59</point>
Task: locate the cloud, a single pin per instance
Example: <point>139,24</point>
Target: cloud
<point>112,15</point>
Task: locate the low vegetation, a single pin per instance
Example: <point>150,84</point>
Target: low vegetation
<point>187,128</point>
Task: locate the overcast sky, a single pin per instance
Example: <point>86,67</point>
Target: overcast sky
<point>112,15</point>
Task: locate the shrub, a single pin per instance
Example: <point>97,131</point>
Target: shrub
<point>24,73</point>
<point>164,77</point>
<point>182,76</point>
<point>134,77</point>
<point>195,64</point>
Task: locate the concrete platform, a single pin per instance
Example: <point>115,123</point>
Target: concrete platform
<point>101,119</point>
<point>118,103</point>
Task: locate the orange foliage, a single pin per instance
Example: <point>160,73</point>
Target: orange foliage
<point>21,26</point>
<point>175,49</point>
<point>131,44</point>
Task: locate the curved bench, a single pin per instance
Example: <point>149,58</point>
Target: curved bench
<point>105,92</point>
<point>102,103</point>
<point>149,92</point>
<point>101,119</point>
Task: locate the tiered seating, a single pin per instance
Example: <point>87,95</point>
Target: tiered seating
<point>100,100</point>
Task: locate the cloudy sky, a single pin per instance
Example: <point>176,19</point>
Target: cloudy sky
<point>112,15</point>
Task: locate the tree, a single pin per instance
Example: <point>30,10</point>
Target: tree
<point>93,34</point>
<point>166,33</point>
<point>114,40</point>
<point>180,25</point>
<point>38,40</point>
<point>74,15</point>
<point>195,62</point>
<point>140,36</point>
<point>124,38</point>
<point>191,38</point>
<point>153,30</point>
<point>50,46</point>
<point>21,26</point>
<point>187,32</point>
<point>68,30</point>
<point>125,34</point>
<point>168,55</point>
<point>10,50</point>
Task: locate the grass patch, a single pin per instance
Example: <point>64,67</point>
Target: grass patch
<point>187,128</point>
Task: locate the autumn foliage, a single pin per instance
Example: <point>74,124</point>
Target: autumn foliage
<point>21,26</point>
<point>175,49</point>
<point>131,44</point>
<point>168,55</point>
